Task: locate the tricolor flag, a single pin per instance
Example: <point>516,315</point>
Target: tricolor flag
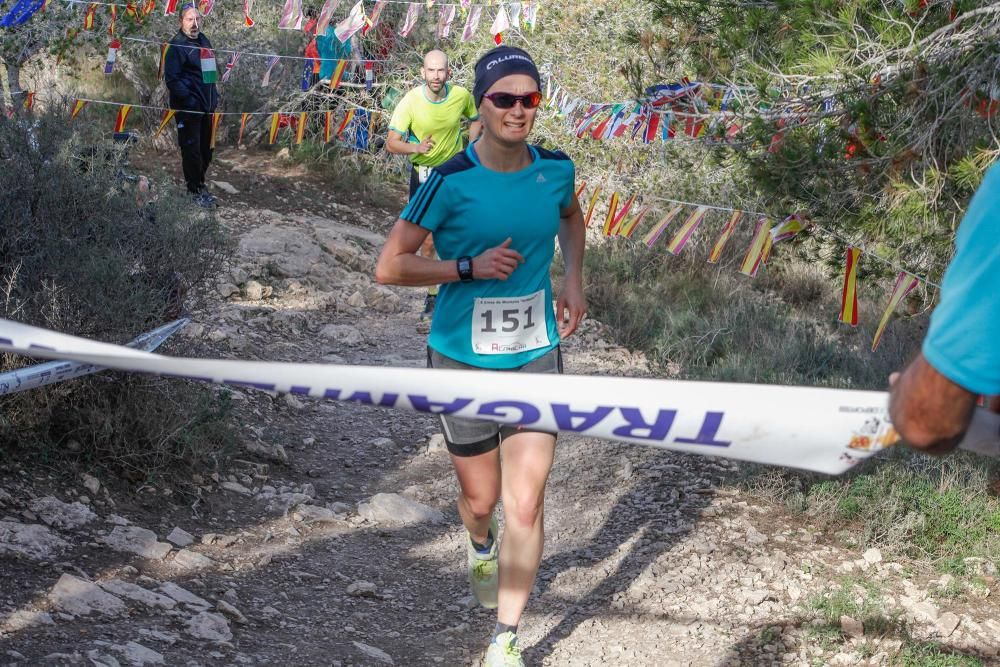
<point>291,15</point>
<point>629,227</point>
<point>657,230</point>
<point>88,17</point>
<point>612,208</point>
<point>727,231</point>
<point>325,16</point>
<point>905,283</point>
<point>788,228</point>
<point>29,99</point>
<point>77,108</point>
<point>849,295</point>
<point>687,229</point>
<point>170,7</point>
<point>472,23</point>
<point>338,74</point>
<point>590,207</point>
<point>373,19</point>
<point>300,128</point>
<point>500,23</point>
<point>273,132</point>
<point>369,74</point>
<point>348,117</point>
<point>412,13</point>
<point>355,21</point>
<point>758,247</point>
<point>208,71</point>
<point>123,111</point>
<point>167,115</point>
<point>247,6</point>
<point>652,127</point>
<point>243,124</point>
<point>271,62</point>
<point>616,224</point>
<point>230,64</point>
<point>163,59</point>
<point>216,119</point>
<point>446,15</point>
<point>109,64</point>
<point>328,127</point>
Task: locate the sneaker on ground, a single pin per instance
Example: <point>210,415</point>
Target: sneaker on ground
<point>484,569</point>
<point>207,195</point>
<point>503,652</point>
<point>203,201</point>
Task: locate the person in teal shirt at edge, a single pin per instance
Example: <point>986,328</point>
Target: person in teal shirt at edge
<point>932,401</point>
<point>331,50</point>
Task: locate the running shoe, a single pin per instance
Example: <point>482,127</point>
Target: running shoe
<point>484,570</point>
<point>503,652</point>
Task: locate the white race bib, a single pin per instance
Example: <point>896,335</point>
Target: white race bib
<point>423,171</point>
<point>509,325</point>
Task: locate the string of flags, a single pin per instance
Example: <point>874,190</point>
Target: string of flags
<point>624,217</point>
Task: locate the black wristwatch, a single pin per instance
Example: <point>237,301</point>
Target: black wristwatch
<point>465,269</point>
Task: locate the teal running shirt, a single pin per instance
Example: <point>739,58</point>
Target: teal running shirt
<point>498,324</point>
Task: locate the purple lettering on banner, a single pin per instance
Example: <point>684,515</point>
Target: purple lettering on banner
<point>36,346</point>
<point>529,413</point>
<point>706,434</point>
<point>565,416</point>
<point>332,394</point>
<point>424,404</point>
<point>365,398</point>
<point>637,425</point>
<point>6,341</point>
<point>296,389</point>
<point>266,386</point>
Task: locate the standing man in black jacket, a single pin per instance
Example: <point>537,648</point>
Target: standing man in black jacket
<point>190,73</point>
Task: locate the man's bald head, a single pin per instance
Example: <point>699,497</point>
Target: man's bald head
<point>435,71</point>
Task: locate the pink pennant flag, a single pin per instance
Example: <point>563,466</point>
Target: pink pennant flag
<point>446,14</point>
<point>687,229</point>
<point>291,15</point>
<point>325,16</point>
<point>472,23</point>
<point>905,283</point>
<point>727,231</point>
<point>355,21</point>
<point>500,23</point>
<point>247,7</point>
<point>656,231</point>
<point>412,13</point>
<point>373,19</point>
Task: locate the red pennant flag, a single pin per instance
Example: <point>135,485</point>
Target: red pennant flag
<point>275,123</point>
<point>579,190</point>
<point>163,59</point>
<point>247,21</point>
<point>300,128</point>
<point>849,295</point>
<point>243,124</point>
<point>77,108</point>
<point>727,231</point>
<point>620,217</point>
<point>164,119</point>
<point>123,112</point>
<point>216,118</point>
<point>88,17</point>
<point>347,119</point>
<point>29,100</point>
<point>328,127</point>
<point>170,7</point>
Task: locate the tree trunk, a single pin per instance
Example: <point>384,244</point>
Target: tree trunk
<point>3,101</point>
<point>14,82</point>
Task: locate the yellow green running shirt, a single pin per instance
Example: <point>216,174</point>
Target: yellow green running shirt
<point>495,323</point>
<point>415,117</point>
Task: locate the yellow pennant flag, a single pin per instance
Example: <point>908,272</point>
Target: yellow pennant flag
<point>727,231</point>
<point>163,59</point>
<point>616,224</point>
<point>849,295</point>
<point>628,227</point>
<point>758,246</point>
<point>612,208</point>
<point>347,119</point>
<point>123,112</point>
<point>687,229</point>
<point>273,132</point>
<point>216,119</point>
<point>167,115</point>
<point>905,283</point>
<point>591,205</point>
<point>243,125</point>
<point>656,231</point>
<point>338,74</point>
<point>77,108</point>
<point>328,127</point>
<point>579,190</point>
<point>300,128</point>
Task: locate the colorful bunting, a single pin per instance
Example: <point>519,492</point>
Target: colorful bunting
<point>629,227</point>
<point>373,19</point>
<point>109,64</point>
<point>88,17</point>
<point>619,218</point>
<point>216,119</point>
<point>727,231</point>
<point>208,71</point>
<point>369,74</point>
<point>579,190</point>
<point>411,19</point>
<point>328,127</point>
<point>300,128</point>
<point>531,13</point>
<point>472,23</point>
<point>291,15</point>
<point>273,132</point>
<point>29,100</point>
<point>446,15</point>
<point>338,74</point>
<point>500,23</point>
<point>230,64</point>
<point>849,295</point>
<point>163,60</point>
<point>758,246</point>
<point>612,208</point>
<point>77,108</point>
<point>905,283</point>
<point>113,10</point>
<point>271,62</point>
<point>343,124</point>
<point>687,229</point>
<point>206,6</point>
<point>243,125</point>
<point>325,16</point>
<point>167,115</point>
<point>590,207</point>
<point>788,228</point>
<point>123,112</point>
<point>247,6</point>
<point>658,229</point>
<point>355,21</point>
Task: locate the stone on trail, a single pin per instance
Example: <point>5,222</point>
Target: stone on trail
<point>394,509</point>
<point>31,540</point>
<point>209,626</point>
<point>77,596</point>
<point>269,452</point>
<point>139,541</point>
<point>947,623</point>
<point>192,560</point>
<point>236,487</point>
<point>138,655</point>
<point>183,595</point>
<point>374,653</point>
<point>137,593</point>
<point>225,187</point>
<point>23,619</point>
<point>253,290</point>
<point>180,538</point>
<point>314,514</point>
<point>91,483</point>
<point>344,334</point>
<point>230,611</point>
<point>362,589</point>
<point>53,512</point>
<point>872,556</point>
<point>851,627</point>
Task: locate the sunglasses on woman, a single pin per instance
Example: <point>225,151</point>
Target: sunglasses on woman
<point>508,100</point>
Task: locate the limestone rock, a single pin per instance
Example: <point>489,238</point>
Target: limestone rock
<point>253,290</point>
<point>362,589</point>
<point>53,512</point>
<point>394,509</point>
<point>236,487</point>
<point>851,627</point>
<point>91,483</point>
<point>192,560</point>
<point>138,655</point>
<point>137,540</point>
<point>77,596</point>
<point>225,187</point>
<point>183,595</point>
<point>32,540</point>
<point>872,556</point>
<point>230,611</point>
<point>139,594</point>
<point>314,514</point>
<point>23,619</point>
<point>947,623</point>
<point>275,453</point>
<point>209,626</point>
<point>374,653</point>
<point>180,537</point>
<point>344,334</point>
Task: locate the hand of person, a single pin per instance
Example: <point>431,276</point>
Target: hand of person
<point>893,378</point>
<point>496,263</point>
<point>571,306</point>
<point>424,146</point>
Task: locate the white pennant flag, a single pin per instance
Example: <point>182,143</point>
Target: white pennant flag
<point>472,23</point>
<point>515,15</point>
<point>530,13</point>
<point>445,16</point>
<point>411,19</point>
<point>325,16</point>
<point>355,21</point>
<point>291,15</point>
<point>500,23</point>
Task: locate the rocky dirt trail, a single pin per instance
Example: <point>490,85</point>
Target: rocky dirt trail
<point>333,538</point>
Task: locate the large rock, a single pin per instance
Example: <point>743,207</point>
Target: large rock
<point>54,512</point>
<point>192,560</point>
<point>139,594</point>
<point>180,537</point>
<point>287,252</point>
<point>138,655</point>
<point>344,334</point>
<point>396,510</point>
<point>183,595</point>
<point>376,654</point>
<point>209,626</point>
<point>29,539</point>
<point>139,541</point>
<point>77,596</point>
<point>315,514</point>
<point>23,619</point>
<point>382,299</point>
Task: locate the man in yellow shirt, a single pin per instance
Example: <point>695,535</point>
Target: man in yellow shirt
<point>427,126</point>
